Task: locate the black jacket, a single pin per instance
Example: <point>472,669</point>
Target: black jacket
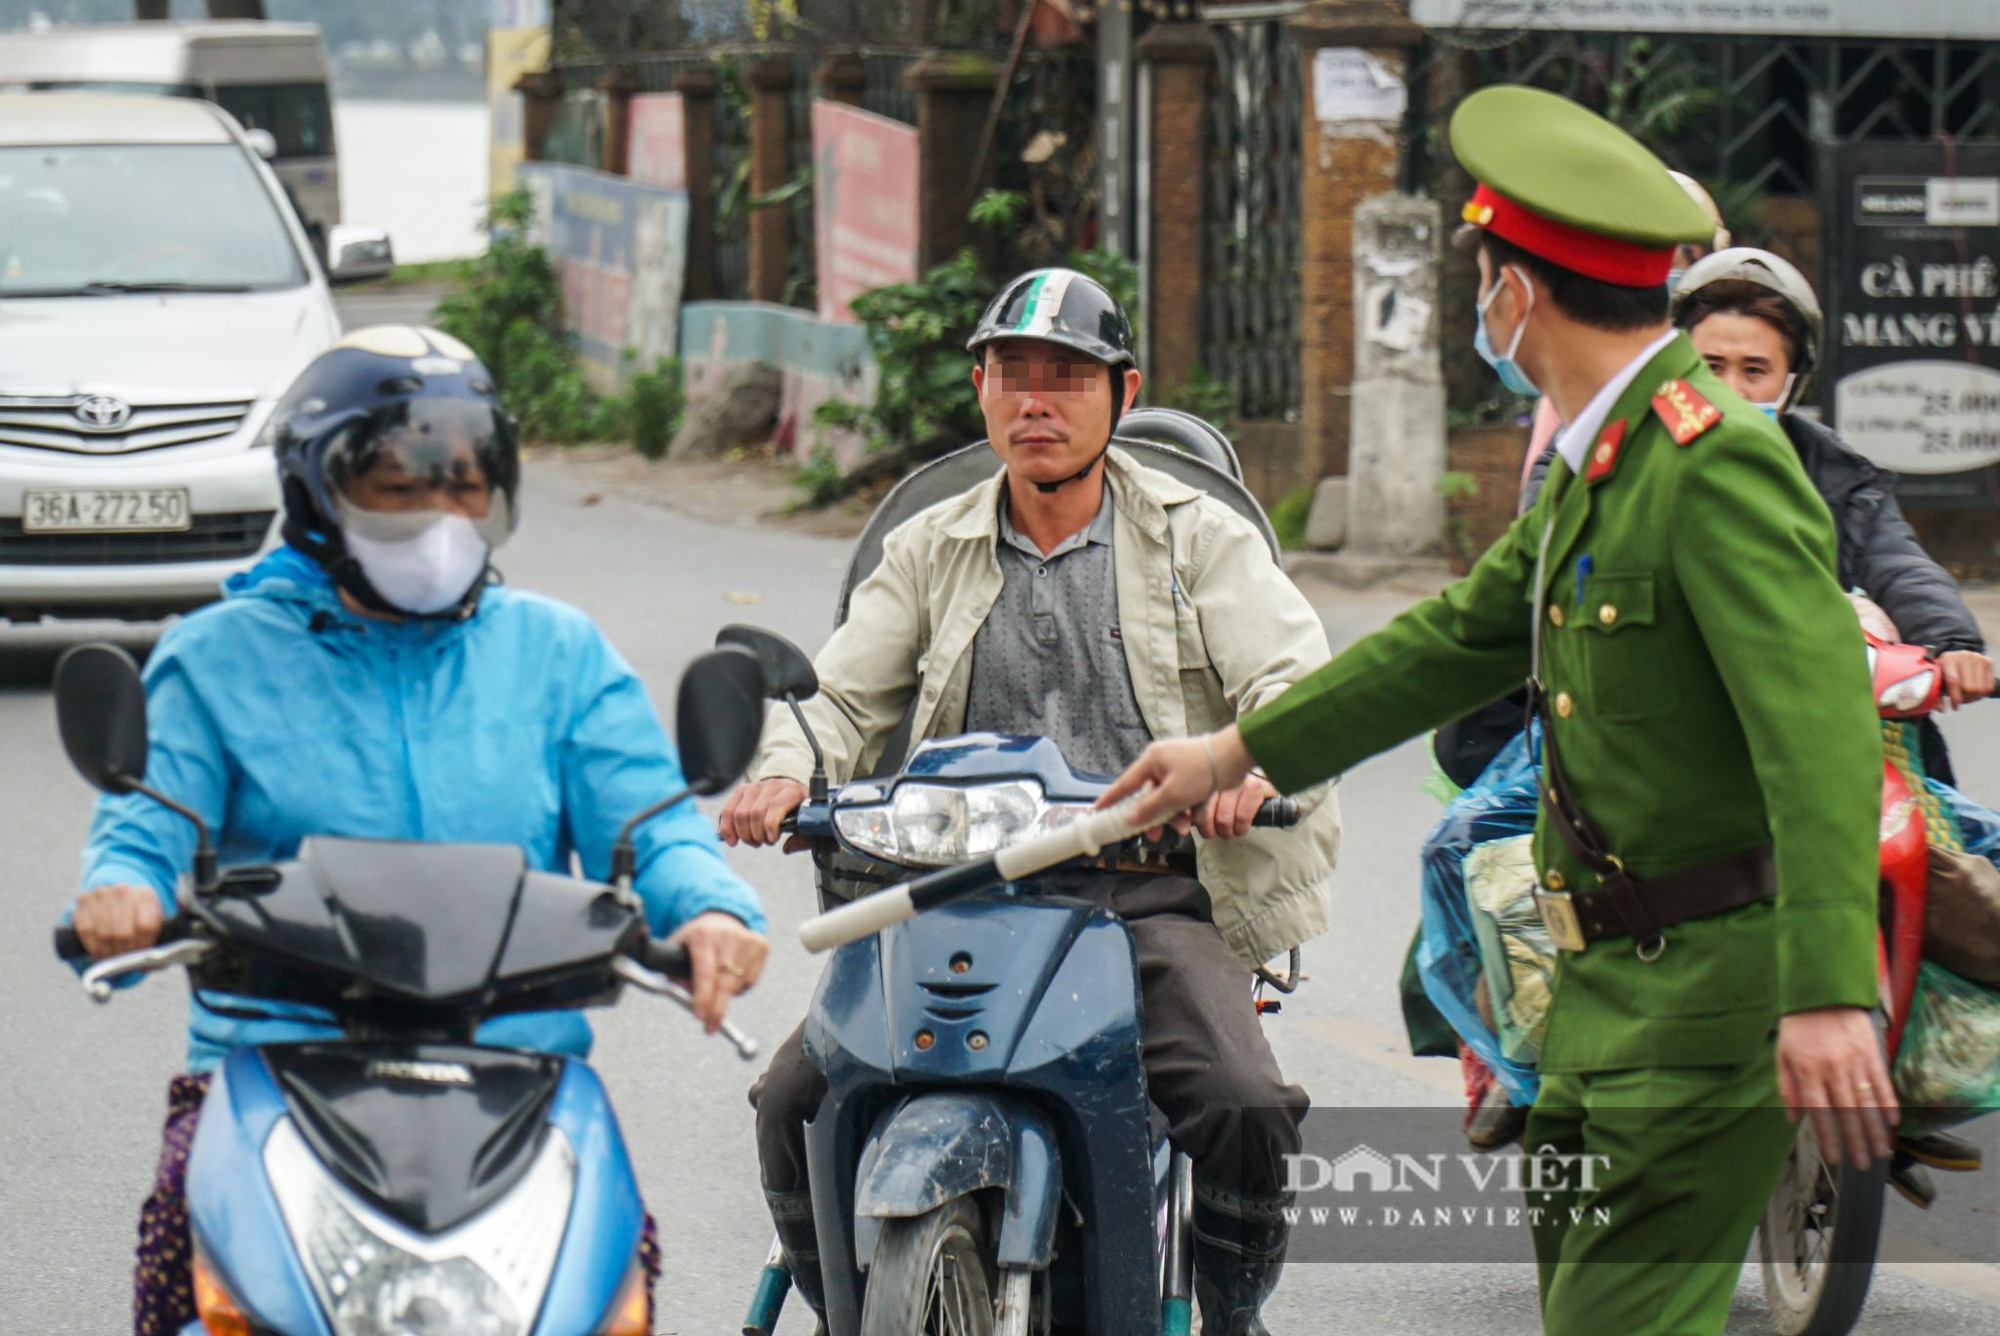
<point>1877,551</point>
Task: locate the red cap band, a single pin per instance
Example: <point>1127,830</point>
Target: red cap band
<point>1629,264</point>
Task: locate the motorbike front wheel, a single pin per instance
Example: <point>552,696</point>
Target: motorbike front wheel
<point>1818,1239</point>
<point>932,1275</point>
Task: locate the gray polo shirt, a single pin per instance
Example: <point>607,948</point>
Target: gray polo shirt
<point>1049,660</point>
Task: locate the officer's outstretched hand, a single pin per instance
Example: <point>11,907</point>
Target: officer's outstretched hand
<point>1180,775</point>
<point>1830,1067</point>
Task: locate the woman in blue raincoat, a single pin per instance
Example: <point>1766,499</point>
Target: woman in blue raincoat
<point>368,679</point>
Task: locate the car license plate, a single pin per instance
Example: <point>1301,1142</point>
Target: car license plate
<point>106,510</point>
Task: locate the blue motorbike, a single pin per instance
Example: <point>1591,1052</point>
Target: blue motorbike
<point>985,1161</point>
<point>404,1178</point>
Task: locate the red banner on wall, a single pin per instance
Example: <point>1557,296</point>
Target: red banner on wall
<point>657,155</point>
<point>865,204</point>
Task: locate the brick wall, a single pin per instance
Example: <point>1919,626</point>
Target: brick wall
<point>1489,455</point>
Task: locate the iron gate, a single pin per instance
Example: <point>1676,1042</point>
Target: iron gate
<point>1251,237</point>
<point>1745,115</point>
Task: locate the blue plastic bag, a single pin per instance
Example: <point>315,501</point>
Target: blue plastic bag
<point>1498,807</point>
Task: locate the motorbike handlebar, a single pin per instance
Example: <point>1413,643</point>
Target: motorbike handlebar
<point>664,957</point>
<point>71,950</point>
<point>1274,814</point>
<point>1278,813</point>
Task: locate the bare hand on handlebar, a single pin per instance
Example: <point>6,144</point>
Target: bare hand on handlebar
<point>1181,775</point>
<point>756,811</point>
<point>1230,814</point>
<point>1968,676</point>
<point>724,958</point>
<point>114,920</point>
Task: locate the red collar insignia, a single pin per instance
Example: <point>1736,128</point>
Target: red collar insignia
<point>1686,414</point>
<point>1604,455</point>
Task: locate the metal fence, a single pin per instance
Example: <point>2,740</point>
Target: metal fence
<point>1251,236</point>
<point>1746,115</point>
<point>884,94</point>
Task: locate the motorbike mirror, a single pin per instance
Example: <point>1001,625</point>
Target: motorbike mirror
<point>101,711</point>
<point>787,670</point>
<point>719,717</point>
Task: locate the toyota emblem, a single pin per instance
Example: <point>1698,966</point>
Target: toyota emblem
<point>102,412</point>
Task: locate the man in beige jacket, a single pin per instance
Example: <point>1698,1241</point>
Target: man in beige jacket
<point>1082,597</point>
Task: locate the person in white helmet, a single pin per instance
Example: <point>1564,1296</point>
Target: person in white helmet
<point>1757,322</point>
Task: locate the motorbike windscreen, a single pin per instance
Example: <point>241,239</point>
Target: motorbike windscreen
<point>419,456</point>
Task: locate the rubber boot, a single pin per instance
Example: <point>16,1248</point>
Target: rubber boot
<point>1239,1251</point>
<point>792,1213</point>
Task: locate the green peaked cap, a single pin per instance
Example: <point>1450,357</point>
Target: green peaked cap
<point>1566,162</point>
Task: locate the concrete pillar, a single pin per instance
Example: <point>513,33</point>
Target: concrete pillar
<point>842,77</point>
<point>541,93</point>
<point>1179,58</point>
<point>954,92</point>
<point>1396,459</point>
<point>697,85</point>
<point>770,80</point>
<point>1348,158</point>
<point>617,85</point>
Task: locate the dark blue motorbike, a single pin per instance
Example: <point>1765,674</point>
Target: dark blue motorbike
<point>986,1159</point>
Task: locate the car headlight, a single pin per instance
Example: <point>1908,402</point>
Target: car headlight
<point>936,825</point>
<point>374,1277</point>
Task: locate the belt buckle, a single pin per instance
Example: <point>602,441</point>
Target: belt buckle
<point>1558,911</point>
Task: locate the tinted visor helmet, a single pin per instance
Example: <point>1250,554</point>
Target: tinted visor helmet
<point>408,420</point>
<point>1063,307</point>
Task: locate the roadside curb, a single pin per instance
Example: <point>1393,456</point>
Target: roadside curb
<point>1349,570</point>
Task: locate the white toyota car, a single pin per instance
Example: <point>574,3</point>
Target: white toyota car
<point>157,295</point>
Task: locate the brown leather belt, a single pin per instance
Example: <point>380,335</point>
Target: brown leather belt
<point>1576,919</point>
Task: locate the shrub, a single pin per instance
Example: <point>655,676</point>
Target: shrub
<point>507,306</point>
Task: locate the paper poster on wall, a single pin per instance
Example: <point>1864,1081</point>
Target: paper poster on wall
<point>620,253</point>
<point>865,203</point>
<point>510,53</point>
<point>656,153</point>
<point>1351,84</point>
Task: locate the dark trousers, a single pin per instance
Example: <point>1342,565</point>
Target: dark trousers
<point>1208,1066</point>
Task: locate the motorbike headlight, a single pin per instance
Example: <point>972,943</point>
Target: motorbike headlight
<point>1909,693</point>
<point>935,825</point>
<point>375,1277</point>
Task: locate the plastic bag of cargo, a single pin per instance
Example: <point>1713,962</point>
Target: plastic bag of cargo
<point>1486,829</point>
<point>1948,1068</point>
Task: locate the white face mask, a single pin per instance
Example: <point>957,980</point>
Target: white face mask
<point>420,562</point>
<point>1777,405</point>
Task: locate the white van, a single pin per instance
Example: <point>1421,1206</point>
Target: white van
<point>156,298</point>
<point>269,76</point>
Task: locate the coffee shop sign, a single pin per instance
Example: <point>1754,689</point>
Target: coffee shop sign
<point>1896,278</point>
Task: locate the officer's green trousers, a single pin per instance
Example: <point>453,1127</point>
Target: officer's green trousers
<point>1652,1238</point>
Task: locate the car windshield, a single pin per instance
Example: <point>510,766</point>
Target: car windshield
<point>85,220</point>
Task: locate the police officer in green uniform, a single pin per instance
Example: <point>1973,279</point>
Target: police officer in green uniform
<point>1711,765</point>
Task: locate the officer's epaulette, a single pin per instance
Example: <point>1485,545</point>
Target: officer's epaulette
<point>1685,413</point>
<point>1604,456</point>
